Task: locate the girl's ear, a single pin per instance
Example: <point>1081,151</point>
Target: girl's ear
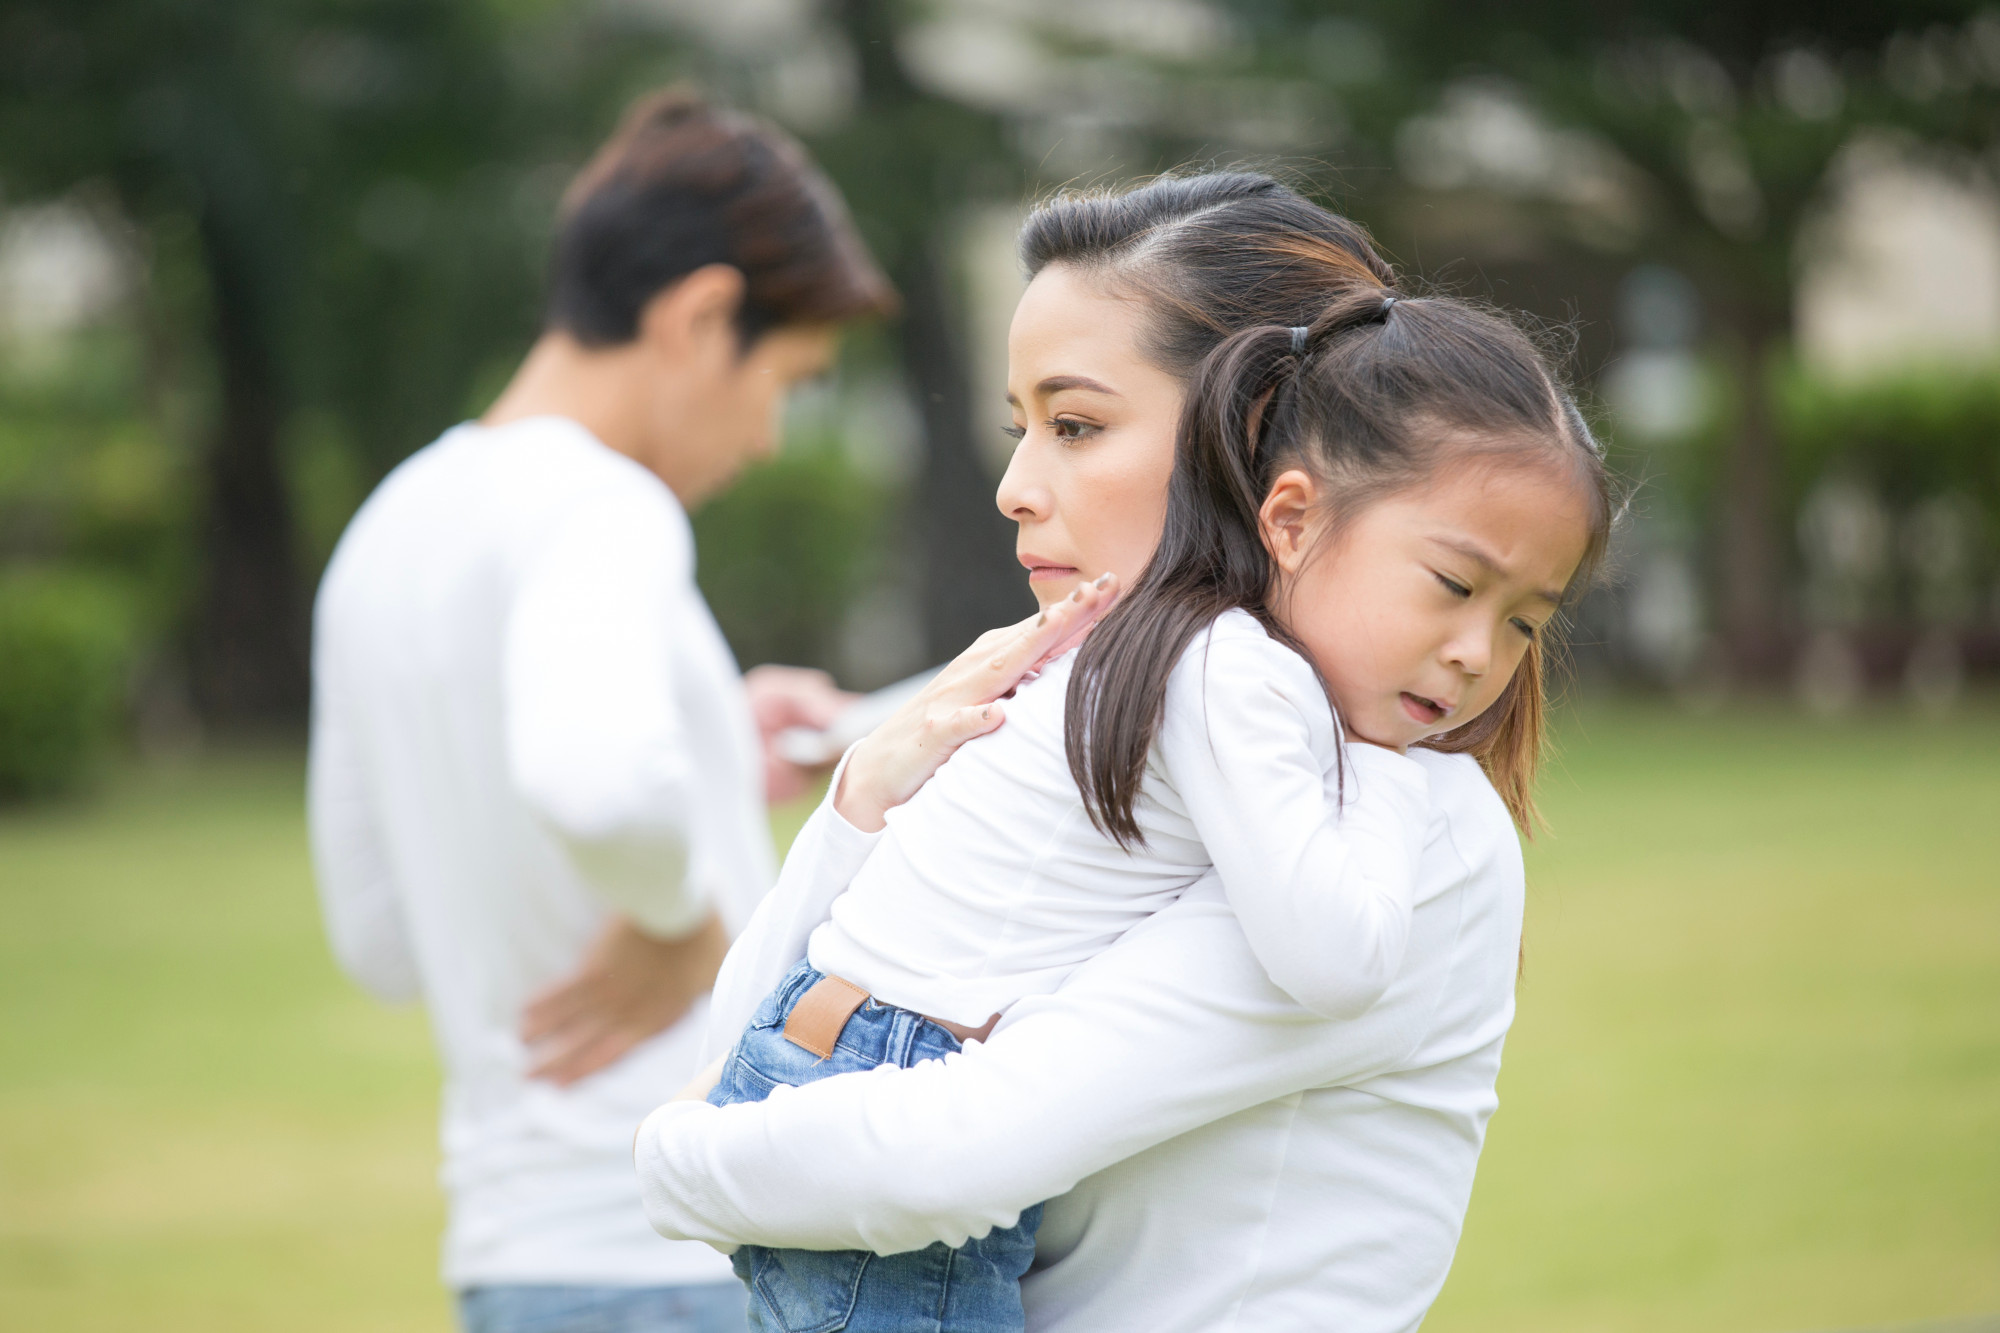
<point>1285,518</point>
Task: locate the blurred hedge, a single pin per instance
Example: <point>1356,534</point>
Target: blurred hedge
<point>783,554</point>
<point>66,645</point>
<point>1912,437</point>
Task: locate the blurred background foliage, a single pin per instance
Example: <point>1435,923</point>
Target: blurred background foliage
<point>253,254</point>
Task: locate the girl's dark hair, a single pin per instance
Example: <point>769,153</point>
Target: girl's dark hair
<point>1374,396</point>
<point>683,183</point>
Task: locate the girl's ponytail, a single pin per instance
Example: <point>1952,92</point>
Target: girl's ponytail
<point>1211,557</point>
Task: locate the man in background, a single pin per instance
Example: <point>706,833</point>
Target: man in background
<point>537,785</point>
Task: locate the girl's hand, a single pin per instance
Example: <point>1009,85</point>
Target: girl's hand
<point>961,702</point>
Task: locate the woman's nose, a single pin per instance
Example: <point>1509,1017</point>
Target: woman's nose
<point>1023,496</point>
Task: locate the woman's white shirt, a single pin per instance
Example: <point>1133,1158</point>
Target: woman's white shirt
<point>524,718</point>
<point>1214,1156</point>
<point>992,883</point>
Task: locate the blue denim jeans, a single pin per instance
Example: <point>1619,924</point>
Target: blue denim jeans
<point>973,1289</point>
<point>708,1307</point>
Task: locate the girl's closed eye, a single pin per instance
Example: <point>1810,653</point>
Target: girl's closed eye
<point>1458,589</point>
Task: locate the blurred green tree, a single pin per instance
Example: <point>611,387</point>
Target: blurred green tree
<point>1715,126</point>
<point>358,190</point>
<point>910,161</point>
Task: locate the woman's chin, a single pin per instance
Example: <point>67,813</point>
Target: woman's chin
<point>1052,588</point>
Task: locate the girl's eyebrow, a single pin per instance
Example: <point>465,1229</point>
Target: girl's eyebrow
<point>1480,556</point>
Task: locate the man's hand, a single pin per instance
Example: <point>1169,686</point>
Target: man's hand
<point>782,697</point>
<point>628,987</point>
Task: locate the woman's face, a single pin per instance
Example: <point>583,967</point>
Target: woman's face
<point>1088,481</point>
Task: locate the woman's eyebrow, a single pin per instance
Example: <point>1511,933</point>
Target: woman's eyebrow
<point>1057,383</point>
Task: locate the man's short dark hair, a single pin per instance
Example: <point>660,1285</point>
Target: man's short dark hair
<point>684,183</point>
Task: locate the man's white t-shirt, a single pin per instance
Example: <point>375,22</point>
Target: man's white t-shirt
<point>524,720</point>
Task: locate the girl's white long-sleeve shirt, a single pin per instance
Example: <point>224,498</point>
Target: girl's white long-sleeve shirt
<point>992,883</point>
<point>1215,1157</point>
<point>524,719</point>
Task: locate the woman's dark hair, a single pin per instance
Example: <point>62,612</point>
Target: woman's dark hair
<point>683,183</point>
<point>1298,353</point>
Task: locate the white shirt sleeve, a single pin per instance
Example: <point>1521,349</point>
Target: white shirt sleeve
<point>824,858</point>
<point>357,894</point>
<point>596,746</point>
<point>1175,1026</point>
<point>1321,874</point>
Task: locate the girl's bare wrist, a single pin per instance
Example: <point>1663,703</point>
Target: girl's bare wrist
<point>855,801</point>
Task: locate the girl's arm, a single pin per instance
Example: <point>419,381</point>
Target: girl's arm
<point>1319,868</point>
<point>1175,1026</point>
<point>824,858</point>
<point>878,773</point>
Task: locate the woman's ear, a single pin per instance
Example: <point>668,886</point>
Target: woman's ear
<point>1285,518</point>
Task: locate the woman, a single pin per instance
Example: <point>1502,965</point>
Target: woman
<point>1222,1158</point>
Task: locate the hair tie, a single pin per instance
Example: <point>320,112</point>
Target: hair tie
<point>1299,336</point>
<point>1382,314</point>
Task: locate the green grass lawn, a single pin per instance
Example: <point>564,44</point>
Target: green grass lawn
<point>1754,1085</point>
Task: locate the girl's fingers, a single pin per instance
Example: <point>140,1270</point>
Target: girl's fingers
<point>1048,634</point>
<point>944,731</point>
<point>961,703</point>
<point>975,720</point>
<point>1071,618</point>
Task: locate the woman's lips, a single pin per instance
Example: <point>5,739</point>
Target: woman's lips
<point>1422,710</point>
<point>1041,571</point>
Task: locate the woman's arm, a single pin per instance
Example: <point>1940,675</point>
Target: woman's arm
<point>1175,1026</point>
<point>1321,873</point>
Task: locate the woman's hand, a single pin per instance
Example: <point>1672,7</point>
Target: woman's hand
<point>628,987</point>
<point>961,702</point>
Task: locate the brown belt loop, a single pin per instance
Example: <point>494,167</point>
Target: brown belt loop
<point>820,1014</point>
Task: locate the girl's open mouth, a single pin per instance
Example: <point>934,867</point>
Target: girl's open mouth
<point>1421,709</point>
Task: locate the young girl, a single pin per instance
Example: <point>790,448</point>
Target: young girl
<point>1385,505</point>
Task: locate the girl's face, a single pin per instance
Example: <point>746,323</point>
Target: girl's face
<point>1095,421</point>
<point>1418,611</point>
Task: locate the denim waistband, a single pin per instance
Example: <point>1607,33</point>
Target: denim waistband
<point>880,1034</point>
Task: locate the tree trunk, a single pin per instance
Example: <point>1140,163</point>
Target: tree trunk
<point>969,579</point>
<point>250,656</point>
<point>1752,548</point>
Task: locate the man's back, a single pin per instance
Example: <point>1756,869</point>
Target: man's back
<point>524,719</point>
